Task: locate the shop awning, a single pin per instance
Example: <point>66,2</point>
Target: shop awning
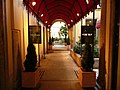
<point>71,11</point>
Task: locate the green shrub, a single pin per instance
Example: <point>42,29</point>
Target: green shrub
<point>77,48</point>
<point>87,59</point>
<point>31,58</point>
<point>56,39</point>
<point>68,41</point>
<point>96,51</point>
<point>50,41</point>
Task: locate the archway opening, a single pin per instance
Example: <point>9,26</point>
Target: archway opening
<point>59,34</point>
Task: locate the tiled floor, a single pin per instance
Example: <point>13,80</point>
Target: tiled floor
<point>59,72</point>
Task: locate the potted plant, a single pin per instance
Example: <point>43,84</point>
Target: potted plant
<point>30,77</point>
<point>87,76</point>
<point>50,43</point>
<point>77,48</point>
<point>31,58</point>
<point>68,43</point>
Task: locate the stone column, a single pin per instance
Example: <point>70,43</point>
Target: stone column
<point>4,64</point>
<point>47,39</point>
<point>102,70</point>
<point>118,74</point>
<point>43,42</point>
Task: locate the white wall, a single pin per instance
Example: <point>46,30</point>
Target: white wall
<point>78,30</point>
<point>18,22</point>
<point>18,14</point>
<point>21,23</point>
<point>25,29</point>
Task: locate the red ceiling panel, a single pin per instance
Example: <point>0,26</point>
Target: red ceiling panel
<point>66,10</point>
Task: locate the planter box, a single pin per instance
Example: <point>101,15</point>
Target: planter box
<point>76,57</point>
<point>50,47</point>
<point>52,43</point>
<point>87,79</point>
<point>30,79</point>
<point>68,47</point>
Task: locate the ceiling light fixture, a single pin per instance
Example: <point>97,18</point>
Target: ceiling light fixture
<point>33,3</point>
<point>71,20</point>
<point>78,14</point>
<point>45,21</point>
<point>41,15</point>
<point>87,1</point>
<point>68,24</point>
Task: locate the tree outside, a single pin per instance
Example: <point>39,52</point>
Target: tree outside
<point>64,31</point>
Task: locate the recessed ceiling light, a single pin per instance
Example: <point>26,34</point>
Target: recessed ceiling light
<point>78,14</point>
<point>45,21</point>
<point>68,24</point>
<point>87,1</point>
<point>71,20</point>
<point>34,3</point>
<point>41,15</point>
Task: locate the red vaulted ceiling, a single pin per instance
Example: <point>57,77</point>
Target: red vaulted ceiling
<point>71,11</point>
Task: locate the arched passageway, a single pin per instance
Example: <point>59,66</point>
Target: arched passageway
<point>57,35</point>
<point>10,17</point>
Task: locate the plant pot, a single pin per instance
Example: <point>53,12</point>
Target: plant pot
<point>50,47</point>
<point>68,47</point>
<point>87,79</point>
<point>30,79</point>
<point>52,43</point>
<point>60,41</point>
<point>65,44</point>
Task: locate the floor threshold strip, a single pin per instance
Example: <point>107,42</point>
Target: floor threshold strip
<point>76,73</point>
<point>41,74</point>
